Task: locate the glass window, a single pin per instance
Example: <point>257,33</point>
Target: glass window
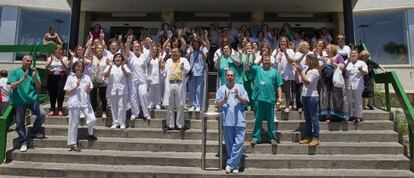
<point>34,24</point>
<point>385,34</point>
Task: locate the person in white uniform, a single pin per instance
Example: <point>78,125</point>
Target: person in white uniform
<point>154,78</point>
<point>137,83</point>
<point>118,90</point>
<point>355,71</point>
<point>78,86</point>
<point>176,69</point>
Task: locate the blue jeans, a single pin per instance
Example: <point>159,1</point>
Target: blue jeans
<point>195,89</point>
<point>310,110</point>
<point>20,120</point>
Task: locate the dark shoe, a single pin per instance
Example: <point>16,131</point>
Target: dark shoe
<point>253,142</point>
<point>75,148</point>
<point>38,135</point>
<point>351,119</point>
<point>92,137</point>
<point>371,107</point>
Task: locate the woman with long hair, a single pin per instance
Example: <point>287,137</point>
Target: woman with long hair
<point>57,64</point>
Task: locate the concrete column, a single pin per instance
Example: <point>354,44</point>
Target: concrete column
<point>256,19</point>
<point>167,17</point>
<point>74,24</point>
<point>8,30</point>
<point>339,24</point>
<point>349,21</point>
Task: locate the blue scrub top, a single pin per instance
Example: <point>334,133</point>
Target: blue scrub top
<point>233,113</point>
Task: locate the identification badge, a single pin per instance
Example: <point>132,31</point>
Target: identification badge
<point>262,82</point>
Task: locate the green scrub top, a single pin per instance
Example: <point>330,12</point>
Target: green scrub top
<point>26,92</point>
<point>265,84</point>
<point>227,63</point>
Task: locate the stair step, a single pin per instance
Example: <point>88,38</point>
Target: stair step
<point>131,171</point>
<point>325,136</point>
<point>192,159</point>
<point>162,145</point>
<point>213,124</point>
<point>292,115</point>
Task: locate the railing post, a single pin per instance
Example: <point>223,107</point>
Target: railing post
<point>203,142</point>
<point>411,142</point>
<point>3,137</point>
<point>387,97</point>
<point>220,135</point>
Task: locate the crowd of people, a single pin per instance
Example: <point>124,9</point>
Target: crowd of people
<point>325,80</point>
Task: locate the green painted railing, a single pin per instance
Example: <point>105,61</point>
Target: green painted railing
<point>7,117</point>
<point>392,78</point>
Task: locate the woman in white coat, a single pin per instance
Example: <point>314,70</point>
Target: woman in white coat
<point>176,69</point>
<point>137,82</point>
<point>118,90</point>
<point>78,86</point>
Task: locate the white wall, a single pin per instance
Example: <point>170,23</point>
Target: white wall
<point>8,30</point>
<point>366,5</point>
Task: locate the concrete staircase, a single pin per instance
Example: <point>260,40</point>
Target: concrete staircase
<point>366,149</point>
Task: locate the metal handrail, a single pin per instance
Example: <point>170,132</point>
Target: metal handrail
<point>205,99</point>
<point>8,114</point>
<point>207,115</point>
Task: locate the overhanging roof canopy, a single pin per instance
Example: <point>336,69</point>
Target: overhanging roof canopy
<point>211,5</point>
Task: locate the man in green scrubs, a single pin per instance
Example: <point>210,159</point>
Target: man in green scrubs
<point>266,81</point>
<point>25,81</point>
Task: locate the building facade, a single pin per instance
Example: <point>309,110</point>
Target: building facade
<point>387,27</point>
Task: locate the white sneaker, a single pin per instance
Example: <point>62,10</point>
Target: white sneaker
<point>23,148</point>
<point>191,109</point>
<point>82,115</point>
<point>198,109</point>
<point>228,169</point>
<point>103,116</point>
<point>148,118</point>
<point>157,107</point>
<point>275,119</point>
<point>132,117</point>
<point>235,171</point>
<point>122,127</point>
<point>114,126</point>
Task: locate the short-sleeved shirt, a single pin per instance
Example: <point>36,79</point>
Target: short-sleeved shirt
<point>197,63</point>
<point>227,63</point>
<point>265,84</point>
<point>355,79</point>
<point>311,89</point>
<point>287,69</point>
<point>117,84</point>
<point>79,98</point>
<point>233,112</point>
<point>5,90</point>
<point>26,92</point>
<point>242,57</point>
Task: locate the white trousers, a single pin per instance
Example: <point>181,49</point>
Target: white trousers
<point>154,95</point>
<point>354,103</point>
<point>175,103</point>
<point>74,114</point>
<point>139,98</point>
<point>118,109</point>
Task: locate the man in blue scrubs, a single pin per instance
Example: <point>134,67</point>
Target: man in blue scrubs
<point>231,99</point>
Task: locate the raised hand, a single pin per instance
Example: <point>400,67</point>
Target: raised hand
<point>71,53</point>
<point>34,74</point>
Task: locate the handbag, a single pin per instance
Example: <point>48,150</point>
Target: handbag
<point>338,78</point>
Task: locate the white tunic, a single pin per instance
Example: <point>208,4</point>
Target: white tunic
<point>79,98</point>
<point>154,71</point>
<point>355,79</point>
<point>117,84</point>
<point>137,66</point>
<point>284,67</point>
